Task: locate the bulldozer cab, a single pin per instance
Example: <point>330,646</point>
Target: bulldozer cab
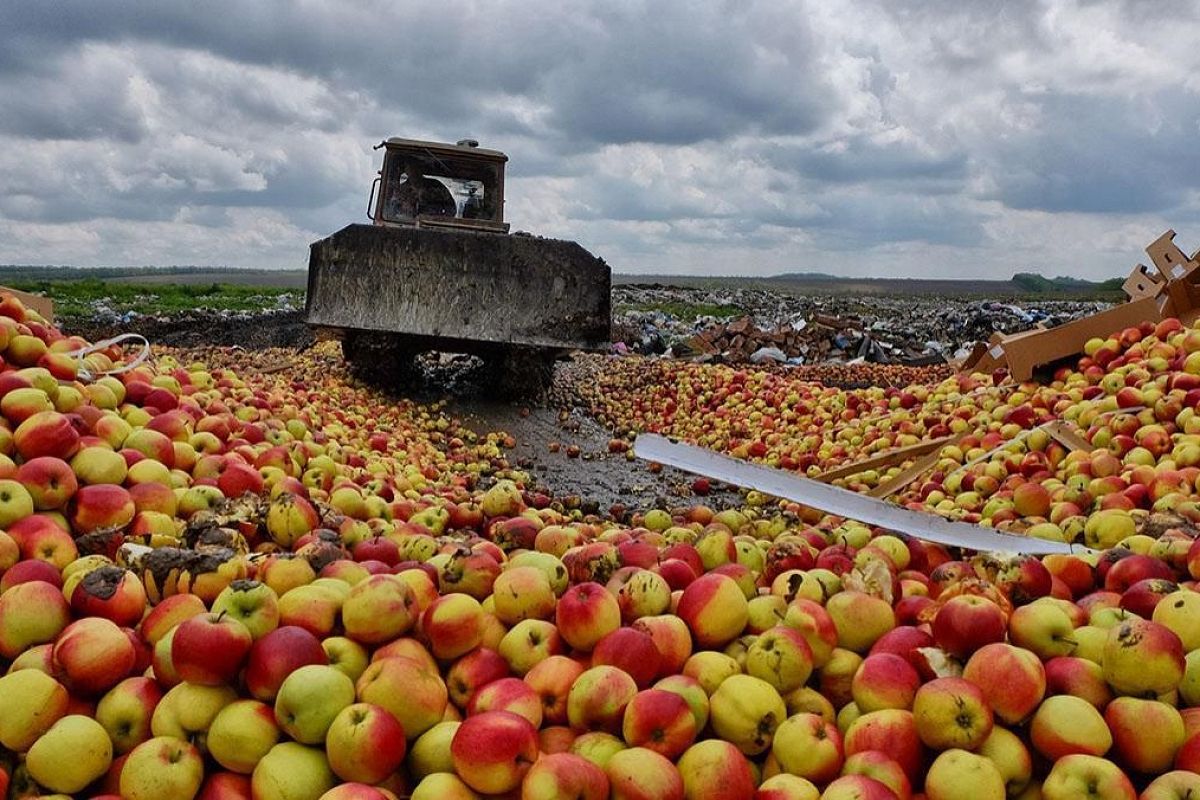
<point>435,185</point>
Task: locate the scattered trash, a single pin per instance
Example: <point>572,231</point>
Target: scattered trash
<point>681,322</point>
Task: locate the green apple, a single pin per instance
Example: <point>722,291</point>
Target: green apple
<point>291,771</point>
<point>126,710</point>
<point>430,753</point>
<point>346,655</point>
<point>251,603</point>
<point>30,702</point>
<point>99,465</point>
<point>242,733</point>
<point>443,786</point>
<point>309,699</point>
<point>187,710</point>
<point>163,768</point>
<point>73,753</point>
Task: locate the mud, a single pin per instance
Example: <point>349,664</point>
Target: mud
<point>545,424</point>
<point>597,476</point>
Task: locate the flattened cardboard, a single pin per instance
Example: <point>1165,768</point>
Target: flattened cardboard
<point>1068,435</point>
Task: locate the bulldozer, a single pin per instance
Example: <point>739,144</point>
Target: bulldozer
<point>438,270</point>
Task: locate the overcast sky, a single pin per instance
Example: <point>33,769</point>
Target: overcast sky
<point>888,137</point>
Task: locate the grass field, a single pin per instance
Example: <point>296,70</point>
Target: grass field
<point>684,310</point>
<point>275,279</point>
<point>289,278</point>
<point>83,298</point>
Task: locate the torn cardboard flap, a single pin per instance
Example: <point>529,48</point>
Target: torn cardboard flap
<point>1142,283</point>
<point>842,502</point>
<point>1168,258</point>
<point>1067,435</point>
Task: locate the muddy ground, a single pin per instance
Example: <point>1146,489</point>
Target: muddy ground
<point>595,475</point>
<point>600,479</point>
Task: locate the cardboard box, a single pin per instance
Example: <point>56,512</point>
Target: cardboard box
<point>1173,292</point>
<point>42,305</point>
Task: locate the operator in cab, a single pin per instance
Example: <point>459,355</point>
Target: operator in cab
<point>418,195</point>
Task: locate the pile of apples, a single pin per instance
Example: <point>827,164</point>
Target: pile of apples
<point>1133,398</point>
<point>219,583</point>
<point>861,375</point>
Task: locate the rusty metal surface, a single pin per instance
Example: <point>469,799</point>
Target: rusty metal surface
<point>443,149</point>
<point>471,287</point>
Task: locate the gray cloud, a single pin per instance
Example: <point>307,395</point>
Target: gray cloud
<point>1103,157</point>
<point>718,137</point>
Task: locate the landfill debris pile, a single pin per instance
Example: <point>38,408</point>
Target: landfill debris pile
<point>108,311</point>
<point>759,326</point>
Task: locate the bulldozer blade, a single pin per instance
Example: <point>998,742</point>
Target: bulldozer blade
<point>460,291</point>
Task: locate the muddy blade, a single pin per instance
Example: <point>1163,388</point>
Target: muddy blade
<point>460,291</point>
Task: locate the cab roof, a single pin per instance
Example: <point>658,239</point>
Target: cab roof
<point>442,148</point>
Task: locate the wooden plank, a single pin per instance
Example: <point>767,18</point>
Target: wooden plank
<point>914,471</point>
<point>886,459</point>
<point>1068,435</point>
<point>273,368</point>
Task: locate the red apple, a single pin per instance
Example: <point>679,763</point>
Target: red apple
<point>46,433</point>
<point>101,506</point>
<point>493,751</point>
<point>50,482</point>
<point>209,649</point>
<point>278,654</point>
<point>586,613</point>
<point>968,622</point>
<point>631,650</point>
<point>661,721</point>
<point>93,655</point>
